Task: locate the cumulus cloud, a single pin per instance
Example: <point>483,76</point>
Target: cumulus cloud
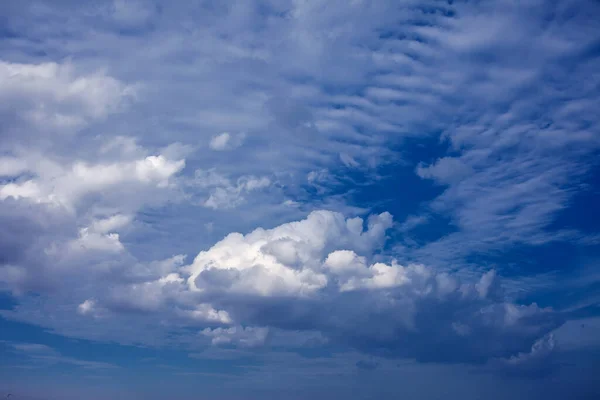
<point>72,211</point>
<point>65,185</point>
<point>87,307</point>
<point>205,313</point>
<point>316,261</point>
<point>318,275</point>
<point>283,260</point>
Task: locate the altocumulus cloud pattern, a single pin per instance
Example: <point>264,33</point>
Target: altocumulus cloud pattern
<point>282,199</point>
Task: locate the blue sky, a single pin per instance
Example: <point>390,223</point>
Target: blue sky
<point>282,199</point>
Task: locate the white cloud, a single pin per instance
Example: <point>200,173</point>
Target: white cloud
<point>92,241</point>
<point>27,189</point>
<point>223,193</point>
<point>319,176</point>
<point>145,297</point>
<point>65,185</point>
<point>110,224</point>
<point>318,84</point>
<point>101,236</point>
<point>445,170</point>
<point>206,313</point>
<point>87,307</point>
<point>285,260</point>
<point>318,276</point>
<point>51,95</point>
<point>226,141</point>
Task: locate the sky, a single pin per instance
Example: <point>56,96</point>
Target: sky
<point>223,200</point>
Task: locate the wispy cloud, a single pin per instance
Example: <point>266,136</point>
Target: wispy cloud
<point>41,355</point>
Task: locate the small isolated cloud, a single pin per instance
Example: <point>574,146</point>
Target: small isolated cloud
<point>223,193</point>
<point>87,307</point>
<point>445,171</point>
<point>318,176</point>
<point>348,160</point>
<point>226,141</point>
<point>291,203</point>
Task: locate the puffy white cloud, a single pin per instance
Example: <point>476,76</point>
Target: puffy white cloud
<point>353,273</point>
<point>286,260</point>
<point>318,263</point>
<point>101,235</point>
<point>346,262</point>
<point>72,213</point>
<point>87,307</point>
<point>65,185</point>
<point>206,313</point>
<point>382,276</point>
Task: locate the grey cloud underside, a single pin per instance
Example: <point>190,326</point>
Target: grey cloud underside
<point>220,117</point>
<point>314,283</point>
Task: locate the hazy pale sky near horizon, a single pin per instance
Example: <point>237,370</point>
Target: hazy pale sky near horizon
<point>281,199</point>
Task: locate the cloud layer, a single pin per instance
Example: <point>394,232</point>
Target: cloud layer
<point>226,188</point>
